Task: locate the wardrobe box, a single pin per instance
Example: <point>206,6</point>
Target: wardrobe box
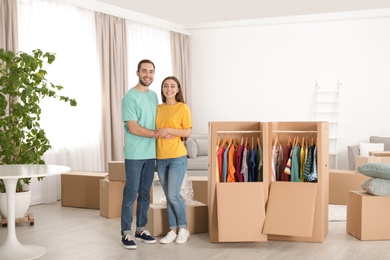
<point>368,216</point>
<point>360,160</point>
<point>269,210</point>
<point>111,195</point>
<point>81,189</point>
<point>199,186</point>
<point>116,171</point>
<point>341,182</point>
<point>197,218</point>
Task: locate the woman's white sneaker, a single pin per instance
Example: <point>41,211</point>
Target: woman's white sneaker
<point>183,236</point>
<point>170,237</point>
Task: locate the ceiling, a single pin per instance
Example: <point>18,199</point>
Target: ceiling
<point>191,12</point>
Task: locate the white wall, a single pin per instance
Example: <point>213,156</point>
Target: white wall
<point>267,72</point>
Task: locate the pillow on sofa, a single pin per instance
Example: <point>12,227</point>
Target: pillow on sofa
<point>375,170</point>
<point>192,148</point>
<point>377,186</point>
<point>202,147</point>
<point>378,139</point>
<point>366,148</point>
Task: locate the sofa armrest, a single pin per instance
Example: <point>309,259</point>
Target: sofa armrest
<point>353,152</point>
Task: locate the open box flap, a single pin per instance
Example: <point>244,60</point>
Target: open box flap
<point>241,207</point>
<point>290,209</point>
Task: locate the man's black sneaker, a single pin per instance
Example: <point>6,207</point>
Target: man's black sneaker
<point>146,237</point>
<point>128,242</point>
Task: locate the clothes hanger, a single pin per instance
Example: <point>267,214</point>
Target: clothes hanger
<point>276,140</point>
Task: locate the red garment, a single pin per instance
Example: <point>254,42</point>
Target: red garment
<point>238,163</point>
<point>220,153</point>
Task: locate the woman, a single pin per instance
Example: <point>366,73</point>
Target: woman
<point>173,122</point>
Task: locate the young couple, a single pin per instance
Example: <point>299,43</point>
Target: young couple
<point>153,131</point>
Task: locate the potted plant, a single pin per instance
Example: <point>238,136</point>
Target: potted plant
<point>23,85</point>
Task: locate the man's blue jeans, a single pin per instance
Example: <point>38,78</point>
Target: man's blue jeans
<point>139,180</point>
<point>171,173</point>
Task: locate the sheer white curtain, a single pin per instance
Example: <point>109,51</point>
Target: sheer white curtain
<point>74,132</point>
<point>146,42</point>
<point>68,31</point>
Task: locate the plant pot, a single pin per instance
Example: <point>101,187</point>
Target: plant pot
<point>22,203</point>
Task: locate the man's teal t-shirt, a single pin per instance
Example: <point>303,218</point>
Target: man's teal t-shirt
<point>142,107</point>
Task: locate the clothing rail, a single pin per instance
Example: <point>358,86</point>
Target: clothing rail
<point>240,132</point>
<point>293,131</point>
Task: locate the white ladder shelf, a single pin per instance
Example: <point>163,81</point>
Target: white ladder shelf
<point>327,108</point>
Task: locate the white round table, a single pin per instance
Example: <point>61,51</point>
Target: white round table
<point>12,248</point>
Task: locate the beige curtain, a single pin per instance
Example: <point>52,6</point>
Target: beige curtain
<point>8,25</point>
<point>111,40</point>
<point>180,49</point>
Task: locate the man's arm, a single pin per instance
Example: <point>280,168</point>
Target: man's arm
<point>136,129</point>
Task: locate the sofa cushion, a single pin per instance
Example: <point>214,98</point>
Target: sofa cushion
<point>375,170</point>
<point>384,140</point>
<point>366,148</point>
<point>192,148</point>
<point>200,163</point>
<point>377,186</point>
<point>202,147</point>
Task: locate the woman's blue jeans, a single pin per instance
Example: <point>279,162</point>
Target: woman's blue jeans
<point>171,173</point>
<point>139,180</point>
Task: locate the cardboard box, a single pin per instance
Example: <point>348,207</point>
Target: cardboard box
<point>111,195</point>
<point>197,218</point>
<point>199,186</point>
<point>341,182</point>
<point>368,216</point>
<point>380,154</point>
<point>81,189</point>
<point>116,171</point>
<point>360,160</point>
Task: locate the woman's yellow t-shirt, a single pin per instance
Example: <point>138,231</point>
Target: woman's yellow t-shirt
<point>178,117</point>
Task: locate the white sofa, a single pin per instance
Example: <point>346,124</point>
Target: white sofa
<point>197,149</point>
<point>354,150</point>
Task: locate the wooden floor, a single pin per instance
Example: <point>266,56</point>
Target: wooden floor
<point>72,233</point>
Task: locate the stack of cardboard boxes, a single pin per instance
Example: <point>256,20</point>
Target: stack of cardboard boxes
<point>104,191</point>
<point>196,211</point>
<point>81,189</point>
<point>111,193</point>
<point>341,182</point>
<point>368,215</point>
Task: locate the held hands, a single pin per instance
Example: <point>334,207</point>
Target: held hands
<point>163,133</point>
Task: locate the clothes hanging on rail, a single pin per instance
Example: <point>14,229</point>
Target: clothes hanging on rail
<point>239,161</point>
<point>225,164</point>
<point>302,159</point>
<point>286,156</point>
<point>298,161</point>
<point>294,173</point>
<point>259,162</point>
<point>232,163</point>
<point>310,168</point>
<point>244,165</point>
<point>220,153</point>
<point>277,160</point>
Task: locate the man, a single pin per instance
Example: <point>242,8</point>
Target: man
<point>139,107</point>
